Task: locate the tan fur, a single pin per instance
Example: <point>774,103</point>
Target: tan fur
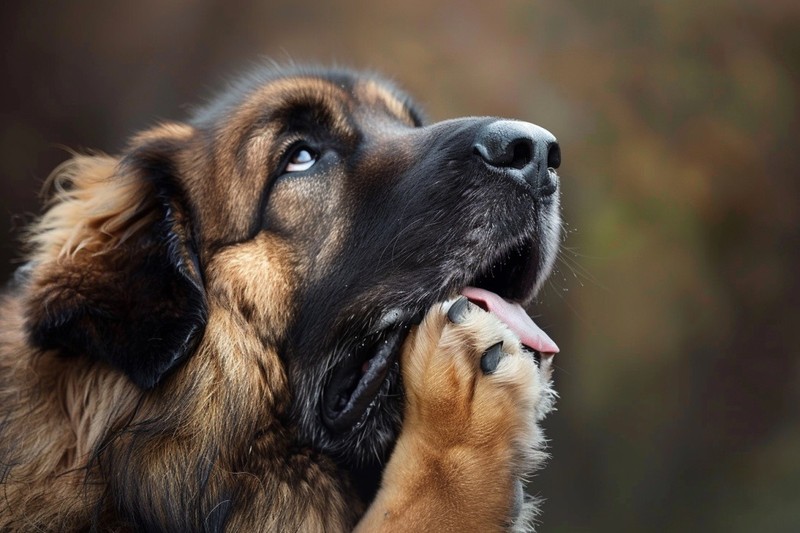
<point>62,412</point>
<point>89,213</point>
<point>378,96</point>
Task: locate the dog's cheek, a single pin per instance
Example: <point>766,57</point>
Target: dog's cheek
<point>312,213</point>
<point>257,280</point>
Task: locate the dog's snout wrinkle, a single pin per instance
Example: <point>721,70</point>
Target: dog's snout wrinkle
<point>525,151</point>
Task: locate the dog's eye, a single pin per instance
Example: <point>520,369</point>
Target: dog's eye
<point>303,158</point>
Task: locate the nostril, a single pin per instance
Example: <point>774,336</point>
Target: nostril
<point>522,153</point>
<point>516,154</point>
<point>553,155</point>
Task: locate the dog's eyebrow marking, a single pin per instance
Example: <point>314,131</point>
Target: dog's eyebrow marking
<point>375,93</point>
<point>324,98</point>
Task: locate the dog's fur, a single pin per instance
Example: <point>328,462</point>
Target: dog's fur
<point>186,311</point>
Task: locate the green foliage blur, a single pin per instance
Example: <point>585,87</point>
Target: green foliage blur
<point>676,301</point>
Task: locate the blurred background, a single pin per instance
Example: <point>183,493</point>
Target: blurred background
<point>677,298</point>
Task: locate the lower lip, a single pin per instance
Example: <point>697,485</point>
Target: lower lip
<point>375,372</point>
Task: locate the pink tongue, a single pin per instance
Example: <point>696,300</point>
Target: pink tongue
<point>515,318</point>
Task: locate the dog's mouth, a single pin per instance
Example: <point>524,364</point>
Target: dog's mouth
<point>355,383</point>
<point>503,281</point>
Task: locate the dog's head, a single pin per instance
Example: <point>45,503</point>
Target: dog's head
<point>316,212</point>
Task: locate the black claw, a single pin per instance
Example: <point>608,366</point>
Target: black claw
<point>458,311</point>
<point>491,358</point>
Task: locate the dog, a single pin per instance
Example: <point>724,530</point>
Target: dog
<point>297,311</point>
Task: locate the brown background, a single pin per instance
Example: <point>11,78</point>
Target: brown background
<point>676,300</point>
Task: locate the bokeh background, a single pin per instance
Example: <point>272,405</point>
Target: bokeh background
<point>676,300</point>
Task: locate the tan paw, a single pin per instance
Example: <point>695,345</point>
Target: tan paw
<point>470,384</point>
<point>469,436</point>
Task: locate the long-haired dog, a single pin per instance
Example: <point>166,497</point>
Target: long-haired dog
<point>297,311</point>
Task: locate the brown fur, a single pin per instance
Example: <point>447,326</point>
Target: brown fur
<point>172,235</point>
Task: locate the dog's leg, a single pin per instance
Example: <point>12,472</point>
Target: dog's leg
<point>469,433</point>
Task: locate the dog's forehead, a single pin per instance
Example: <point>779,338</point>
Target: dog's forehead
<point>261,96</point>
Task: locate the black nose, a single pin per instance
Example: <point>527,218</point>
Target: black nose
<point>523,150</point>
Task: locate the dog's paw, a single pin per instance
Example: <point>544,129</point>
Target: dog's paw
<point>474,395</point>
<point>468,380</point>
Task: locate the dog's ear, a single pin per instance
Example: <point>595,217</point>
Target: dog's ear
<point>115,272</point>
